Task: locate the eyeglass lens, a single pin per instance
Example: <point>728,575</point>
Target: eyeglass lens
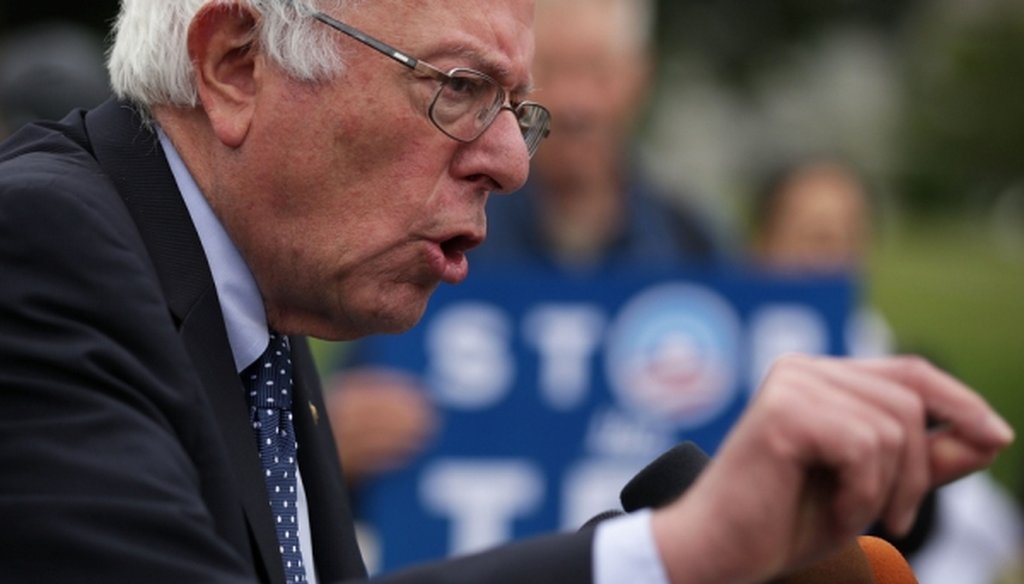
<point>466,105</point>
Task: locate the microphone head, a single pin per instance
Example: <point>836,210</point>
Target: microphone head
<point>849,566</point>
<point>665,478</point>
<point>887,564</point>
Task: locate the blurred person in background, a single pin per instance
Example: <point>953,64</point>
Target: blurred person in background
<point>587,204</point>
<point>815,217</point>
<point>812,216</point>
<point>47,70</point>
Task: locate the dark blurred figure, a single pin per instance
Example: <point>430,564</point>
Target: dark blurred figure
<point>47,70</point>
<point>815,216</point>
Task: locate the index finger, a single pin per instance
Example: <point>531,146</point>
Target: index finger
<point>947,400</point>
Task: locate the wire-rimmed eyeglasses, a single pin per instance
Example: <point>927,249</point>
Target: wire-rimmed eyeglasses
<point>466,101</point>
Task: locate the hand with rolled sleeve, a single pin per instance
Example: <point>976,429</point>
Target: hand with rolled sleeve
<point>827,446</point>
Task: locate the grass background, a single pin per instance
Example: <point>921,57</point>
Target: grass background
<point>952,291</point>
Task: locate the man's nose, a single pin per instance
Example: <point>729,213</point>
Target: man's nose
<point>501,153</point>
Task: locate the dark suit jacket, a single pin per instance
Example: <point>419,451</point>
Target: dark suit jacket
<point>125,449</point>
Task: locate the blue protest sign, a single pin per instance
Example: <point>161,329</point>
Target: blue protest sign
<point>554,389</point>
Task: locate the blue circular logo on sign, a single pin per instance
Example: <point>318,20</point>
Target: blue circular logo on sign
<point>673,354</point>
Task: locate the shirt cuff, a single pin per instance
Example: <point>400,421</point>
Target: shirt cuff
<point>625,552</point>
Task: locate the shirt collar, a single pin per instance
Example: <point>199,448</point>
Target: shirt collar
<point>240,301</point>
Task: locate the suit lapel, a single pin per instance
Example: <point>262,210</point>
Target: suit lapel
<point>131,155</point>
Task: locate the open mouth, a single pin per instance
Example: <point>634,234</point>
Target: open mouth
<point>450,261</point>
<point>457,246</point>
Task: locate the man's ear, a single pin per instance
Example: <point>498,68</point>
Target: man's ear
<point>227,68</point>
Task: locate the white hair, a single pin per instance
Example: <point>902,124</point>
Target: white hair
<point>149,62</point>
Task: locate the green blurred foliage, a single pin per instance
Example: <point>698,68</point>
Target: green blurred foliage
<point>962,131</point>
<point>964,134</point>
<point>739,38</point>
<point>952,295</point>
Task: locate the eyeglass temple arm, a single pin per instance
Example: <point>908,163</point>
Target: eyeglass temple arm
<point>381,46</point>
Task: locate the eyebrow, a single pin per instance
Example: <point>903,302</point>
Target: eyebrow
<point>481,62</point>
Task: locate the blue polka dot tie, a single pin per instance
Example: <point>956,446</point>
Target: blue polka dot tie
<point>269,383</point>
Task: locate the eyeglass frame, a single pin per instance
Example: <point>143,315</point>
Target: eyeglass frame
<point>428,70</point>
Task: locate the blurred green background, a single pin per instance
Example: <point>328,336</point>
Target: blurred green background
<point>926,96</point>
<point>951,291</point>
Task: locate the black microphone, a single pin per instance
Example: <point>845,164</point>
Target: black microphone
<point>665,478</point>
<point>660,482</point>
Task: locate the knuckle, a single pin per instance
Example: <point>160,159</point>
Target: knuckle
<point>892,435</point>
<point>915,368</point>
<point>862,446</point>
<point>908,407</point>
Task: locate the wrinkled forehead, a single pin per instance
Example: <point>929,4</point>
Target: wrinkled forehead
<point>493,36</point>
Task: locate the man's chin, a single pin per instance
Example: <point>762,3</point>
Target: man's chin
<point>384,311</point>
<point>397,319</point>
